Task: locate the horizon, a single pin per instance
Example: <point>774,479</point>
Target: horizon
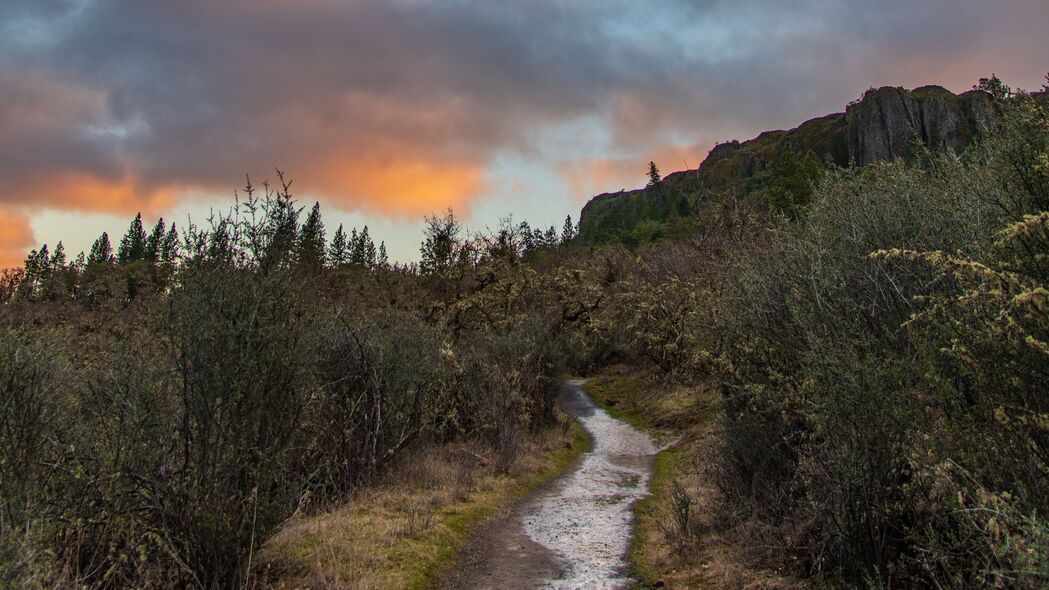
<point>387,112</point>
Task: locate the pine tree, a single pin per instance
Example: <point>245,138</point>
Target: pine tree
<point>364,249</point>
<point>550,237</point>
<point>36,271</point>
<point>653,174</point>
<point>133,244</point>
<point>43,260</point>
<point>568,232</point>
<point>80,263</point>
<point>310,251</point>
<point>352,247</point>
<point>58,259</point>
<point>155,241</point>
<point>338,252</point>
<point>169,252</point>
<point>101,252</point>
<point>793,181</point>
<point>382,260</point>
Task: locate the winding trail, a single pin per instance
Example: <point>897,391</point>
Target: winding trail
<point>575,532</point>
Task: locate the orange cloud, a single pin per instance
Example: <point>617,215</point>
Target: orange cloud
<point>86,192</point>
<point>16,238</point>
<point>402,186</point>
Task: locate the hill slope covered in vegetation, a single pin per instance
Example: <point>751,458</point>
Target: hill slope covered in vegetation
<point>883,125</point>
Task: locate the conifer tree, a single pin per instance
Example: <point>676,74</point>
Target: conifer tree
<point>169,252</point>
<point>133,244</point>
<point>43,260</point>
<point>338,252</point>
<point>568,232</point>
<point>550,237</point>
<point>352,254</point>
<point>35,267</point>
<point>364,250</point>
<point>793,181</point>
<point>155,241</point>
<point>653,174</point>
<point>310,251</point>
<point>382,260</point>
<point>101,251</point>
<point>58,259</point>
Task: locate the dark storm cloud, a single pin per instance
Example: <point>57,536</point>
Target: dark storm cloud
<point>399,106</point>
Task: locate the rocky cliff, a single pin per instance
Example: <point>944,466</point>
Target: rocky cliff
<point>882,124</point>
<point>879,126</point>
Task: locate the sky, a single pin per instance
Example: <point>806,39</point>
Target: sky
<point>387,111</point>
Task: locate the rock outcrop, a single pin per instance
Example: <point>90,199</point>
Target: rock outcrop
<point>885,121</point>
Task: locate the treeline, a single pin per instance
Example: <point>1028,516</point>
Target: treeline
<point>164,408</point>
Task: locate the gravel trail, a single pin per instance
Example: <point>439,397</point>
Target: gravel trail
<point>575,532</point>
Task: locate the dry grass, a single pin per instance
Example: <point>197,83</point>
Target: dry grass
<point>404,531</point>
<point>679,542</point>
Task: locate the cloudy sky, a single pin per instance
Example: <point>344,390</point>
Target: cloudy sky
<point>386,111</point>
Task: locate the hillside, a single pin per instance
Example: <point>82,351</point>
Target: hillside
<point>879,126</point>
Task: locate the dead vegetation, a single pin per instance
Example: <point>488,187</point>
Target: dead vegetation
<point>402,532</point>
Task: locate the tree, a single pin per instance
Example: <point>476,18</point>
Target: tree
<point>101,252</point>
<point>362,248</point>
<point>382,260</point>
<point>367,248</point>
<point>794,181</point>
<point>311,246</point>
<point>568,231</point>
<point>351,246</point>
<point>155,242</point>
<point>58,259</point>
<point>169,252</point>
<point>338,253</point>
<point>653,174</point>
<point>133,244</point>
<point>995,87</point>
<point>550,238</point>
<point>441,244</point>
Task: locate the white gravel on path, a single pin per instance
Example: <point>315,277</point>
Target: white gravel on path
<point>587,521</point>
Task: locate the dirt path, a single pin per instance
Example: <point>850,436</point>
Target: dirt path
<point>574,533</point>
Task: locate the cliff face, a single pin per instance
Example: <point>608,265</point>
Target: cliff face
<point>885,121</point>
<point>877,127</point>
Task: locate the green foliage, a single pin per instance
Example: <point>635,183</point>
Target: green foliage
<point>101,251</point>
<point>338,252</point>
<point>442,248</point>
<point>310,250</point>
<point>793,182</point>
<point>133,244</point>
<point>568,231</point>
<point>654,177</point>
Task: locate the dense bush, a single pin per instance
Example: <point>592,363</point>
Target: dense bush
<point>883,370</point>
<point>161,418</point>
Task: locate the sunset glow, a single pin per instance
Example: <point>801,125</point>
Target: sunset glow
<point>388,111</point>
